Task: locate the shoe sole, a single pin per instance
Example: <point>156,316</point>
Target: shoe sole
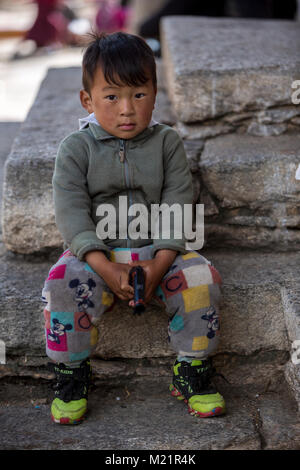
<point>214,412</point>
<point>67,420</point>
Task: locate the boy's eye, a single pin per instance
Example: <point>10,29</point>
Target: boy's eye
<point>111,97</point>
<point>140,95</point>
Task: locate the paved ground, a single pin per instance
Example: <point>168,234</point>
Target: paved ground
<point>135,413</point>
<point>20,79</point>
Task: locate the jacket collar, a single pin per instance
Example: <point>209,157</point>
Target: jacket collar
<point>100,134</point>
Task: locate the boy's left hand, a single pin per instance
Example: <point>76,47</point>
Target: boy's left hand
<point>154,270</point>
<point>153,275</point>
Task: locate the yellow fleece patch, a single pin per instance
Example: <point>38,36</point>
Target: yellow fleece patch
<point>196,297</point>
<point>200,343</point>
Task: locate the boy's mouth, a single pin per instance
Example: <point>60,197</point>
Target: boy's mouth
<point>127,126</point>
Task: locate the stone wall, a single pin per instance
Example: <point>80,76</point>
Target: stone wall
<point>232,99</point>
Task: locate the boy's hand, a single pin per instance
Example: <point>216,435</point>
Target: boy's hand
<point>154,270</point>
<point>115,275</point>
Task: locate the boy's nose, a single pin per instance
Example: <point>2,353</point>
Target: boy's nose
<point>127,108</point>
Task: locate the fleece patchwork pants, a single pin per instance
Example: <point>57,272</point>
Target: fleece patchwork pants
<point>76,297</point>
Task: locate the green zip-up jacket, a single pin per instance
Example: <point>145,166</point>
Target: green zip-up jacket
<point>93,168</point>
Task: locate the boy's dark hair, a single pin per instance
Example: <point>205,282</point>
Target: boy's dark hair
<point>125,59</point>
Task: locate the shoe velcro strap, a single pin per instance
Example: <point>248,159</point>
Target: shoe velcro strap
<point>187,370</point>
<point>80,373</point>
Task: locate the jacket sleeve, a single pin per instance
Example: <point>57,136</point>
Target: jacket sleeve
<point>72,203</point>
<point>177,191</point>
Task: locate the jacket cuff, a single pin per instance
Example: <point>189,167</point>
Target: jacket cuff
<point>87,241</point>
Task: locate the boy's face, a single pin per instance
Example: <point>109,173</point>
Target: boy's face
<point>123,111</point>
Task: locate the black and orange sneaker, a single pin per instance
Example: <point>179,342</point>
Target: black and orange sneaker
<point>192,383</point>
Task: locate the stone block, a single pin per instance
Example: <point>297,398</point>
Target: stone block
<point>252,182</point>
<point>8,131</point>
<point>216,66</point>
<point>27,214</point>
<point>291,305</point>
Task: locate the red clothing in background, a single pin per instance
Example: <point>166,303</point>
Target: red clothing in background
<point>49,24</point>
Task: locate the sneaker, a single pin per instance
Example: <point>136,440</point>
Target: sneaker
<point>191,383</point>
<point>71,392</point>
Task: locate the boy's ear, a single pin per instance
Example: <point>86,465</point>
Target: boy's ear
<point>86,101</point>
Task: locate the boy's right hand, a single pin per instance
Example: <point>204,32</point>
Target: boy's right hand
<point>115,275</point>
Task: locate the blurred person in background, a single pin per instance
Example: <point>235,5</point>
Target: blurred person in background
<point>55,25</point>
<point>50,24</point>
<point>112,15</point>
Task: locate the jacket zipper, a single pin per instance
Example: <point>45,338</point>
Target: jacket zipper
<point>122,154</point>
<point>122,151</point>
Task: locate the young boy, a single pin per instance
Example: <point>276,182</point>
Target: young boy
<point>121,152</point>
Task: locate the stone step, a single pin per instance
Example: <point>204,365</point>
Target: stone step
<point>218,66</point>
<point>252,311</point>
<point>138,412</point>
<point>261,412</point>
<point>259,311</point>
